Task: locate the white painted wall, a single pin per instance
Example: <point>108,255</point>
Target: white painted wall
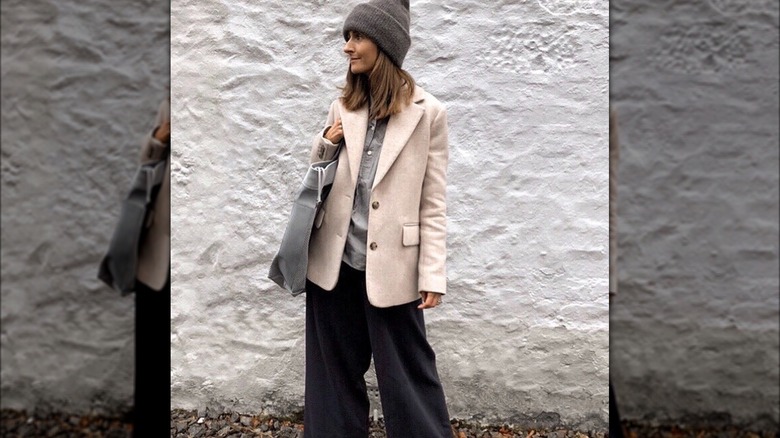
<point>524,330</point>
<point>694,334</point>
<point>81,83</point>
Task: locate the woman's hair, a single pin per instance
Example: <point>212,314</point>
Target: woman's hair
<point>389,86</point>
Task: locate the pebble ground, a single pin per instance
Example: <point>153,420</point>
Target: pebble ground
<point>194,424</point>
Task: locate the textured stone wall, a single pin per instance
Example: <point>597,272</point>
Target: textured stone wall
<point>694,334</point>
<point>81,83</point>
<point>523,332</point>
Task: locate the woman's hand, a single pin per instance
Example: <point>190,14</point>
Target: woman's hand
<point>430,300</point>
<point>335,133</point>
<point>163,133</point>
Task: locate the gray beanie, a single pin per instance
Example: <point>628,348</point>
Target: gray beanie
<point>386,22</point>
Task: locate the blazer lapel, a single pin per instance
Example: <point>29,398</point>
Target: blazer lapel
<point>354,124</point>
<point>399,129</point>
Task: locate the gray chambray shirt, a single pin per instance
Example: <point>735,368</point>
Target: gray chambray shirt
<point>355,250</point>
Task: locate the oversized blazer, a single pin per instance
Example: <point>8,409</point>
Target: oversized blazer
<point>406,239</point>
<point>155,249</point>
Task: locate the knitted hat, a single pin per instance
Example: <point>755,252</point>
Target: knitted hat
<point>386,22</point>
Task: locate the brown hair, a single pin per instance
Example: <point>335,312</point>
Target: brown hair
<point>390,88</point>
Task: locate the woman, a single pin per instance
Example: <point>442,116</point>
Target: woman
<point>152,409</point>
<point>377,252</point>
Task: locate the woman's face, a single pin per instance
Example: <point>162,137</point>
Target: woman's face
<point>362,53</point>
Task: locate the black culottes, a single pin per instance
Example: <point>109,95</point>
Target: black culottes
<point>152,394</point>
<point>343,331</point>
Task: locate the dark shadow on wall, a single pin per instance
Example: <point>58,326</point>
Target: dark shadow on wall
<point>81,85</point>
<point>694,328</point>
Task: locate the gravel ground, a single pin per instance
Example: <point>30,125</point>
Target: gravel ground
<point>186,424</point>
<point>193,424</point>
<point>22,424</point>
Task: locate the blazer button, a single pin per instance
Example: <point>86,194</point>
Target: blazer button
<point>375,205</point>
<point>372,246</point>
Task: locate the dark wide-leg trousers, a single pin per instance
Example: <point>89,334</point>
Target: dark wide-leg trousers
<point>615,428</point>
<point>342,332</point>
<point>152,393</point>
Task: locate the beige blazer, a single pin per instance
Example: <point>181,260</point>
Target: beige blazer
<point>406,250</point>
<point>155,250</point>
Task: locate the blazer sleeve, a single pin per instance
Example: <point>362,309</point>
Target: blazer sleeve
<point>433,211</point>
<point>322,149</point>
<point>152,149</point>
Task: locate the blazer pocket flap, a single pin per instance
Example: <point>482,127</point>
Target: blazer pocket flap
<point>411,234</point>
<point>318,218</point>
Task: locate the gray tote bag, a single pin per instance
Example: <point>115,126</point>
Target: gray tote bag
<point>288,268</point>
<point>118,267</point>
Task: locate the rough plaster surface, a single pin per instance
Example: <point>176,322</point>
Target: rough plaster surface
<point>523,333</point>
<point>81,82</point>
<point>694,334</point>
